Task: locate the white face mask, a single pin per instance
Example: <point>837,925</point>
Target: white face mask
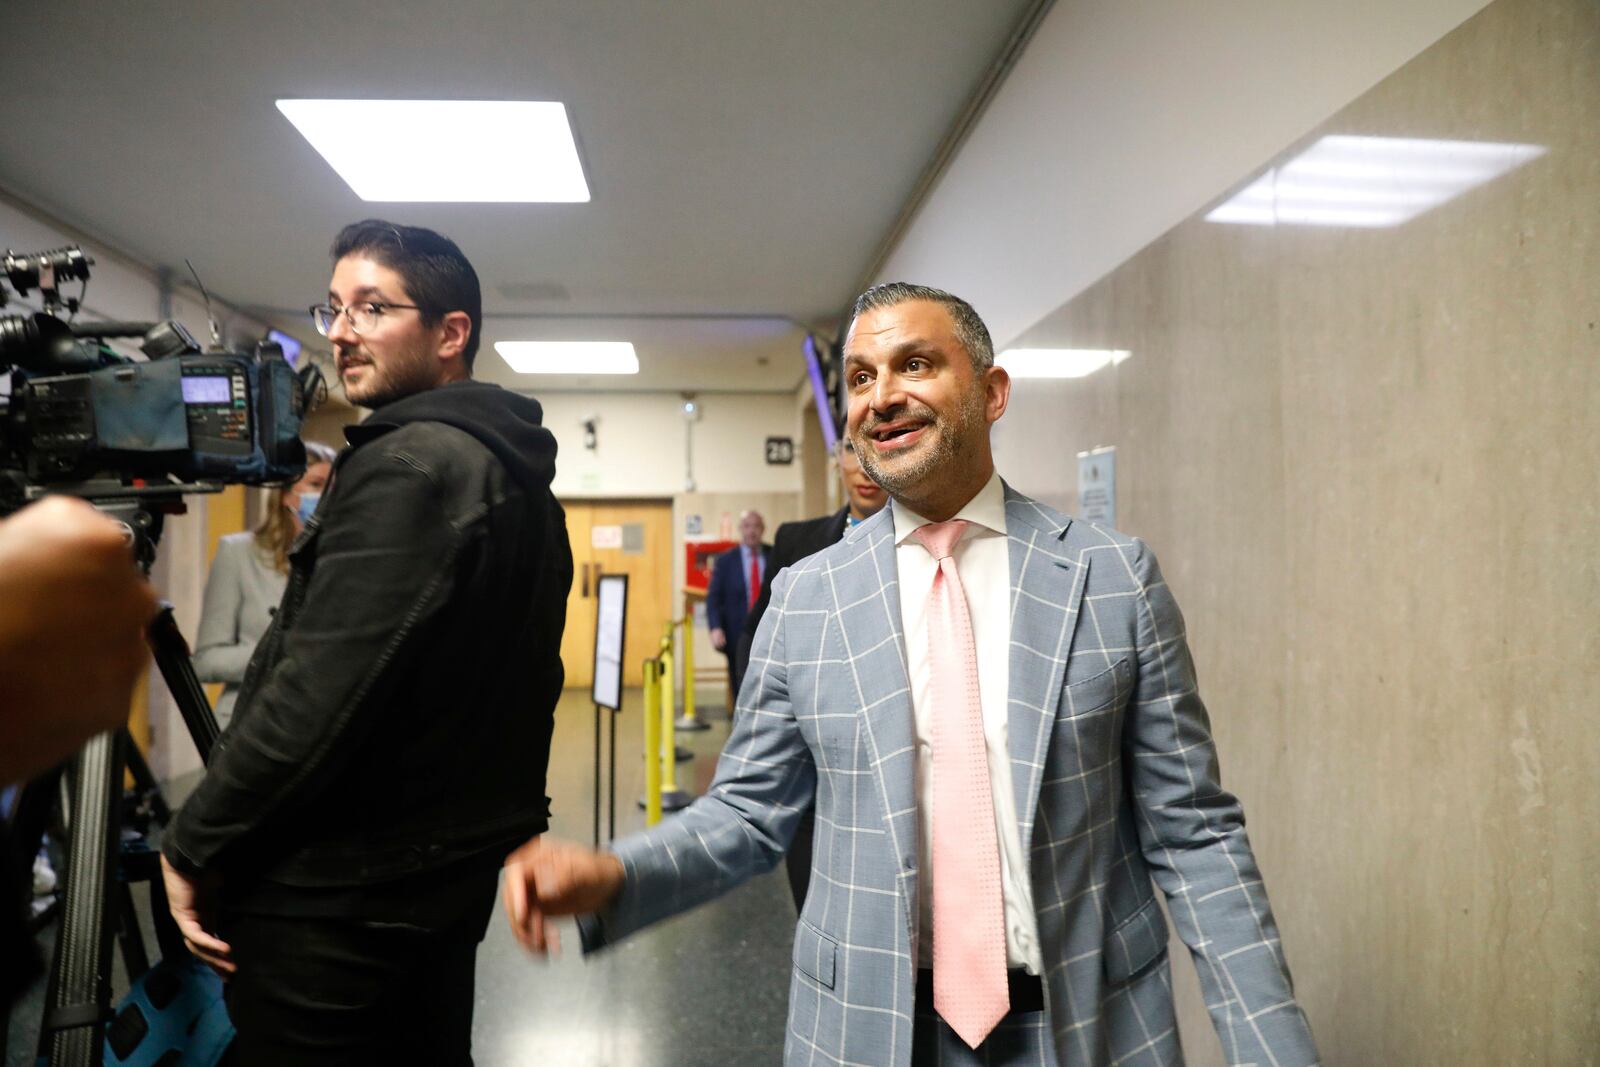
<point>308,504</point>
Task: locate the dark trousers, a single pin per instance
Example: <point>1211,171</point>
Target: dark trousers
<point>798,858</point>
<point>735,675</point>
<point>1020,1039</point>
<point>312,991</point>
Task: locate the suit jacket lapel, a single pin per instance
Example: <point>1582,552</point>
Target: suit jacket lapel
<point>866,595</point>
<point>1046,593</point>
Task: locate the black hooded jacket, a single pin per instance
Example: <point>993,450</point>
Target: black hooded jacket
<point>396,716</point>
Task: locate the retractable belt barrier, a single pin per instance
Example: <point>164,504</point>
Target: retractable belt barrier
<point>661,752</point>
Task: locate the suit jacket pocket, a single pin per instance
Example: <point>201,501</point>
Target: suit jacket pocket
<point>1086,696</point>
<point>1136,944</point>
<point>815,954</point>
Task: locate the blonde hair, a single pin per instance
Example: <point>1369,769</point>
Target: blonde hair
<point>276,532</point>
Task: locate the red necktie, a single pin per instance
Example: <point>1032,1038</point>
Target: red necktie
<point>755,576</point>
<point>969,933</point>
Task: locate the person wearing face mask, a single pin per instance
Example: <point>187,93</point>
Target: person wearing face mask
<point>248,578</point>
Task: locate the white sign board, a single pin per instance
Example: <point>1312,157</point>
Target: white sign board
<point>1097,486</point>
<point>610,623</point>
<point>605,536</point>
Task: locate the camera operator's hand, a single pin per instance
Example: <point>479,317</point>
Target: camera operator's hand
<point>73,613</point>
<point>547,877</point>
<point>190,901</point>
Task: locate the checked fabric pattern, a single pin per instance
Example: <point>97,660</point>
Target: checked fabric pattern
<point>1117,792</point>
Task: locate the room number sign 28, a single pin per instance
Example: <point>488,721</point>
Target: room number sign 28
<point>780,451</point>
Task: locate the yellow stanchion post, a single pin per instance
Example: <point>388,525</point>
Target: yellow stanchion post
<point>672,798</point>
<point>669,703</point>
<point>688,674</point>
<point>652,742</point>
<point>688,720</point>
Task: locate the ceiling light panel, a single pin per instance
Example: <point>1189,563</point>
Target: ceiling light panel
<point>1058,362</point>
<point>1370,181</point>
<point>522,150</point>
<point>569,357</point>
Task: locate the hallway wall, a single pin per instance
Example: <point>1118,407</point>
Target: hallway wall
<point>1121,118</point>
<point>1370,462</point>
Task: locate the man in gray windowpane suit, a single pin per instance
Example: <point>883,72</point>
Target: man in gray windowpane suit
<point>1053,650</point>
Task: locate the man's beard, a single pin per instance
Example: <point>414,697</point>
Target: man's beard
<point>949,444</point>
<point>384,384</point>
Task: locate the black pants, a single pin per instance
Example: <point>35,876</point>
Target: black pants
<point>798,858</point>
<point>312,991</point>
<point>735,675</point>
<point>1020,1039</point>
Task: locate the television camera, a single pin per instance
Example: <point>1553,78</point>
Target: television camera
<point>78,417</point>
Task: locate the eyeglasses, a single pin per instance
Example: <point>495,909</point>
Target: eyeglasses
<point>363,316</point>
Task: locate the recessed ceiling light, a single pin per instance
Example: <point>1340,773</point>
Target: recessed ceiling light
<point>521,150</point>
<point>1058,362</point>
<point>569,357</point>
<point>1370,181</point>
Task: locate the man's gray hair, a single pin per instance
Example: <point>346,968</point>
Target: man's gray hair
<point>970,330</point>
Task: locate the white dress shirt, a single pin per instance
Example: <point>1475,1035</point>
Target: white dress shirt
<point>982,559</point>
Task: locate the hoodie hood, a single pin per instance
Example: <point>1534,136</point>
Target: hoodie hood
<point>507,424</point>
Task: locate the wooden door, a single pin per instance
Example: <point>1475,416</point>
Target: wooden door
<point>577,639</point>
<point>632,537</point>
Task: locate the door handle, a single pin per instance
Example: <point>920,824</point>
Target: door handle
<point>585,581</point>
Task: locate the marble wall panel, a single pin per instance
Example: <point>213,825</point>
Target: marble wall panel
<point>1370,462</point>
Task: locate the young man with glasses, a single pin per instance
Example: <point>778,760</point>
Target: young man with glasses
<point>339,861</point>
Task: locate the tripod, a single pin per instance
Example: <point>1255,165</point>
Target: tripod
<point>78,993</point>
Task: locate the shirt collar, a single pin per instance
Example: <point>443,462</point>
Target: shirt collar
<point>986,510</point>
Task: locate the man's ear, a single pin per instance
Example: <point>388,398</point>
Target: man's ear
<point>455,331</point>
<point>997,393</point>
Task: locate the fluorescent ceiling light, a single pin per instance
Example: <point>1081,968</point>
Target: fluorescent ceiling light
<point>1370,181</point>
<point>1058,362</point>
<point>569,357</point>
<point>522,150</point>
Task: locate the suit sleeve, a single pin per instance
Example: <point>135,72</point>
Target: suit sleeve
<point>714,593</point>
<point>743,824</point>
<point>1192,835</point>
<point>219,655</point>
<point>780,557</point>
<point>385,547</point>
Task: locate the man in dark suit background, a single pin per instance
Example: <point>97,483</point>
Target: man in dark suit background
<point>736,580</point>
<point>793,542</point>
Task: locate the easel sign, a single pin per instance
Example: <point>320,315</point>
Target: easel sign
<point>610,624</point>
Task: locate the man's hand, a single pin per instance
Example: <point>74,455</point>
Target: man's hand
<point>73,615</point>
<point>548,877</point>
<point>190,907</point>
<point>719,639</point>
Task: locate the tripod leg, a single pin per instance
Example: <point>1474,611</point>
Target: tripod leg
<point>79,992</point>
<point>168,938</point>
<point>172,657</point>
<point>145,781</point>
<point>129,937</point>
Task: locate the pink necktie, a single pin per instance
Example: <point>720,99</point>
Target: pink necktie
<point>969,934</point>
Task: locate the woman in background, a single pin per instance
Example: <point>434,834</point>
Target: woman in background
<point>247,581</point>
